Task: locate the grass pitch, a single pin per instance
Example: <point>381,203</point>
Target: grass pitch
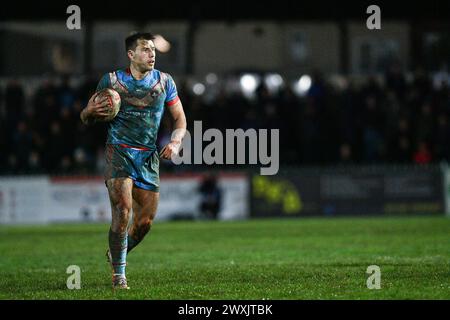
<point>254,259</point>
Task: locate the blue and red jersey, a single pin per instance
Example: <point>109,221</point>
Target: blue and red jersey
<point>142,106</point>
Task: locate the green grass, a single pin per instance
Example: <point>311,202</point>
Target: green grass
<point>255,259</point>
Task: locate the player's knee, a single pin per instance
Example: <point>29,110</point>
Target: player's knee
<point>122,209</point>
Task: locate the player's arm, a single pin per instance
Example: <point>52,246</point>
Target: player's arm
<point>179,131</point>
<point>94,110</point>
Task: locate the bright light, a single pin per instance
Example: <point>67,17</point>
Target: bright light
<point>198,89</point>
<point>273,81</point>
<point>249,83</point>
<point>302,85</point>
<point>211,78</point>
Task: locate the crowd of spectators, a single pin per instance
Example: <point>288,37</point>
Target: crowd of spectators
<point>388,121</point>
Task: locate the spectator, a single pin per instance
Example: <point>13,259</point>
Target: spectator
<point>211,197</point>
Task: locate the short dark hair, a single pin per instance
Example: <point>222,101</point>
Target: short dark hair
<point>131,40</point>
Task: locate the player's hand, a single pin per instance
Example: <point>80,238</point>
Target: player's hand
<point>171,149</point>
<point>98,109</point>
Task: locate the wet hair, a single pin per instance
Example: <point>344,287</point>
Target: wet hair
<point>131,40</point>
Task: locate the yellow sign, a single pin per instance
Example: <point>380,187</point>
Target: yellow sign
<point>281,192</point>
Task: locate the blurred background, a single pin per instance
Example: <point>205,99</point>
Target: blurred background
<point>363,114</point>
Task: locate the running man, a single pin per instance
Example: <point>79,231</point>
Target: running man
<point>132,160</point>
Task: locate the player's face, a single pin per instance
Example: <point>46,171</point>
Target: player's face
<point>143,57</point>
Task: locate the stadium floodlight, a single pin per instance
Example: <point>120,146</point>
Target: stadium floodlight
<point>273,81</point>
<point>198,88</point>
<point>249,83</point>
<point>302,85</point>
<point>211,78</point>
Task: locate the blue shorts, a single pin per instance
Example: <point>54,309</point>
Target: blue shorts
<point>139,164</point>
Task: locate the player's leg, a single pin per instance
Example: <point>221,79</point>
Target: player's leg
<point>145,204</point>
<point>145,196</point>
<point>120,196</point>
